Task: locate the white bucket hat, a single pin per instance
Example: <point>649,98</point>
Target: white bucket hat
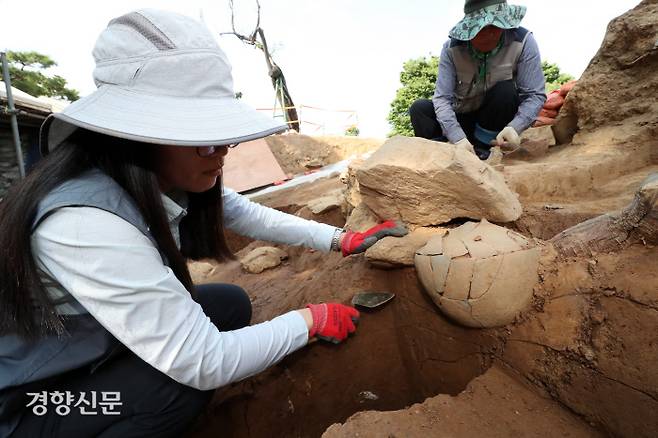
<point>163,79</point>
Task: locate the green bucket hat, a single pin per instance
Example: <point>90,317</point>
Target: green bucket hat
<point>481,13</point>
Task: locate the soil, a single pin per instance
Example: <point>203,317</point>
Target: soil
<point>410,351</point>
<point>583,361</point>
<point>587,350</point>
<point>298,153</point>
<point>496,405</point>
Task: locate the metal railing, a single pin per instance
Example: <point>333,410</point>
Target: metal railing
<point>315,119</point>
<point>11,110</point>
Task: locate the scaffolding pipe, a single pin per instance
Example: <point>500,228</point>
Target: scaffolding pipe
<point>12,115</point>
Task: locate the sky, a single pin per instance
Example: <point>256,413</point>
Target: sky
<point>335,54</point>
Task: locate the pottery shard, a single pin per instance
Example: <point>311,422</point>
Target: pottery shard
<point>425,182</point>
<point>262,258</point>
<point>393,252</point>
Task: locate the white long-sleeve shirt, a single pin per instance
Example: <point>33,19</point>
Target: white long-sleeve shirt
<point>116,273</point>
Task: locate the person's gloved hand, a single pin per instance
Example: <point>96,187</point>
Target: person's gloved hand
<point>332,322</point>
<point>464,143</point>
<point>354,243</point>
<point>508,135</point>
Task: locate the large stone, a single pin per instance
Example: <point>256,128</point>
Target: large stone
<point>348,177</point>
<point>361,219</point>
<point>262,258</point>
<point>615,89</point>
<point>330,201</point>
<point>424,182</point>
<point>398,252</point>
<point>479,274</point>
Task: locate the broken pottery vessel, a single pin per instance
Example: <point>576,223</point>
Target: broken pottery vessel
<point>479,274</point>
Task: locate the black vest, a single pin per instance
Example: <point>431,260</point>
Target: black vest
<point>469,90</point>
<point>24,366</point>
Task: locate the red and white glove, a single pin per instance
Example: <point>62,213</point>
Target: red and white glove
<point>332,322</point>
<point>354,243</point>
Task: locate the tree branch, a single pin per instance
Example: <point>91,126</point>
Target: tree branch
<point>274,71</point>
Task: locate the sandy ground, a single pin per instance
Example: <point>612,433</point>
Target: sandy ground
<point>298,153</point>
<point>495,405</point>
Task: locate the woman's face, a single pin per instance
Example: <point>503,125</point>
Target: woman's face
<point>181,167</point>
<point>487,39</point>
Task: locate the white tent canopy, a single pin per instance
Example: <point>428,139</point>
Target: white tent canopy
<point>24,100</point>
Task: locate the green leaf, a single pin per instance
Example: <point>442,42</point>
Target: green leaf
<point>554,77</point>
<point>27,73</point>
<point>418,79</point>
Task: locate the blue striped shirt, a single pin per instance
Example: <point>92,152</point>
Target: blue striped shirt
<point>530,83</point>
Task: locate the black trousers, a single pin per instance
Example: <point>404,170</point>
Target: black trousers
<point>154,405</point>
<point>500,105</point>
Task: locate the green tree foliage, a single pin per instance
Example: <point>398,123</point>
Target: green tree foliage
<point>26,71</point>
<point>418,80</point>
<point>554,77</point>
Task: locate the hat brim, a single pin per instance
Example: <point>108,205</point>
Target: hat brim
<point>167,120</point>
<point>501,15</point>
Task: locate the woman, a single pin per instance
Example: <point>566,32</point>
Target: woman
<point>102,331</point>
<point>490,85</point>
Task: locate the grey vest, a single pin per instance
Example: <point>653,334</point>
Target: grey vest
<point>469,92</point>
<point>23,365</point>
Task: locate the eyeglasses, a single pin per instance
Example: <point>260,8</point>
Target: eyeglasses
<point>206,151</point>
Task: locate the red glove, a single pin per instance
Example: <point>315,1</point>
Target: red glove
<point>354,243</point>
<point>332,321</point>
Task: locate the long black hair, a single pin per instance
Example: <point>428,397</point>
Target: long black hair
<point>25,307</point>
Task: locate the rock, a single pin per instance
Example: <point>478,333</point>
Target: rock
<point>424,182</point>
<point>495,157</point>
<point>313,163</point>
<point>262,258</point>
<point>333,199</point>
<point>200,270</point>
<point>542,134</point>
<point>348,177</point>
<point>535,142</point>
<point>479,274</point>
<point>615,85</point>
<point>361,219</point>
<point>397,252</point>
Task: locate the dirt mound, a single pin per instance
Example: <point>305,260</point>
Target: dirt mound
<point>593,345</point>
<point>620,83</point>
<point>297,153</point>
<point>474,412</point>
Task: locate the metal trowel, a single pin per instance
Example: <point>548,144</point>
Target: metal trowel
<point>371,300</point>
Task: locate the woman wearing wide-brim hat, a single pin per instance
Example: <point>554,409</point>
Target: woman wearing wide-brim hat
<point>490,85</point>
<point>102,332</point>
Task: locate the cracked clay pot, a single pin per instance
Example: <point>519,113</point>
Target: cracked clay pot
<point>479,274</point>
